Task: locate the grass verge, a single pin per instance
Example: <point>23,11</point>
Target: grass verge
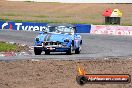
<point>7,47</point>
<point>46,21</point>
<point>84,13</point>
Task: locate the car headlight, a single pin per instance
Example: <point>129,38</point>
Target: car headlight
<point>37,39</point>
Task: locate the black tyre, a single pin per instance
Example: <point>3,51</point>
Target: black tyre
<point>77,51</point>
<point>81,42</point>
<point>47,52</point>
<point>81,80</point>
<point>69,52</point>
<point>37,51</point>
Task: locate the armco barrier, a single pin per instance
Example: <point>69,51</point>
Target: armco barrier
<point>113,30</point>
<point>33,26</point>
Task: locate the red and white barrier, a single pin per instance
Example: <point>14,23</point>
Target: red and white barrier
<point>7,54</point>
<point>111,29</point>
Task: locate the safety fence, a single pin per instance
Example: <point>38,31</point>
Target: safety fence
<point>81,28</point>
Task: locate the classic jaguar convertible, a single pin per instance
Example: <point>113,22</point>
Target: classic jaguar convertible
<point>58,38</point>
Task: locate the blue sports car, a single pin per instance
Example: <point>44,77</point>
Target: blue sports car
<point>58,38</point>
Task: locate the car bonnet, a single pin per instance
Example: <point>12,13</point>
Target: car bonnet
<point>57,37</point>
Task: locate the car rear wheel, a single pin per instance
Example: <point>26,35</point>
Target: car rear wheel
<point>37,51</point>
<point>77,51</point>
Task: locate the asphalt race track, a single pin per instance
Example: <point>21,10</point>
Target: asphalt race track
<point>94,46</point>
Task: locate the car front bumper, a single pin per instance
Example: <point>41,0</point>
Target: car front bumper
<point>53,48</point>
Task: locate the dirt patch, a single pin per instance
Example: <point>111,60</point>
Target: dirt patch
<point>21,48</point>
<point>59,74</point>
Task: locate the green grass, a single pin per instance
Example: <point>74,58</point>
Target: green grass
<point>45,21</point>
<point>41,16</point>
<point>7,47</point>
<point>61,12</point>
<point>20,20</point>
<point>56,21</point>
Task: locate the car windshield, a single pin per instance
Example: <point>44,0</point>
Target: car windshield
<point>60,29</point>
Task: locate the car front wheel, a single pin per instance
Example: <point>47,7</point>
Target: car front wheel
<point>47,52</point>
<point>69,51</point>
<point>37,51</point>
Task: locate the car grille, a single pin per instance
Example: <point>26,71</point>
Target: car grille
<point>52,43</point>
